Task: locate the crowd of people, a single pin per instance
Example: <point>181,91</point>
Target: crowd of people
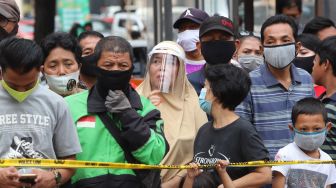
<point>213,97</point>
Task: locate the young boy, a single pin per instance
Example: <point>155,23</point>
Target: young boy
<point>324,74</point>
<point>309,118</point>
<point>229,137</point>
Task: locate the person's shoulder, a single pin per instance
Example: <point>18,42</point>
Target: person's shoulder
<point>287,152</point>
<point>46,94</point>
<point>206,126</point>
<point>303,74</point>
<point>195,75</point>
<point>324,155</point>
<point>257,72</point>
<point>77,96</point>
<point>244,125</point>
<point>146,104</point>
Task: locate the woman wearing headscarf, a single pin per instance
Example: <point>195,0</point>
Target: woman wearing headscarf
<point>168,88</point>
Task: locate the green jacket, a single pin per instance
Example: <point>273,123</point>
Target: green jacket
<point>141,127</point>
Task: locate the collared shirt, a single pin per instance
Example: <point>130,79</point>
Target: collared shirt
<point>269,104</point>
<point>329,146</point>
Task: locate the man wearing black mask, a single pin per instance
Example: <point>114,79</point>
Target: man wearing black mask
<point>88,41</point>
<point>111,102</point>
<point>217,46</point>
<point>9,18</point>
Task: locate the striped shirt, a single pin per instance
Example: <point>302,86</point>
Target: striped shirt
<point>329,146</point>
<point>268,105</point>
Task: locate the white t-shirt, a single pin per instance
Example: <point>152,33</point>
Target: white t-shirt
<point>304,175</point>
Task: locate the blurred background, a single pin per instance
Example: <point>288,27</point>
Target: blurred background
<point>146,22</point>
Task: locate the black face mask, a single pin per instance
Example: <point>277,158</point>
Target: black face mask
<point>89,67</point>
<point>4,34</point>
<point>218,51</point>
<point>113,80</point>
<point>305,63</point>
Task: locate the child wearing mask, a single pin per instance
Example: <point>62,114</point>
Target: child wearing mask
<point>229,136</point>
<point>309,118</point>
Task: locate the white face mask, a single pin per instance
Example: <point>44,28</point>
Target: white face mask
<point>188,39</point>
<point>63,85</point>
<point>279,56</point>
<point>250,62</point>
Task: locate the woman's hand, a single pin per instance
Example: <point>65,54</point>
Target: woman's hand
<point>155,97</point>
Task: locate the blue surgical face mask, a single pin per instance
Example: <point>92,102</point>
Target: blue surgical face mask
<point>205,105</point>
<point>309,141</point>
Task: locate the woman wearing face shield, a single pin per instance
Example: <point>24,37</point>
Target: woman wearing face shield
<point>168,88</point>
<point>306,55</point>
<point>249,53</point>
<point>61,65</point>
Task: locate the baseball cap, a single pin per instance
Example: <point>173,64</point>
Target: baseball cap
<point>217,23</point>
<point>10,10</point>
<point>192,14</point>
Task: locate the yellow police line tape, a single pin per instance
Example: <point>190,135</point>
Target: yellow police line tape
<point>52,163</point>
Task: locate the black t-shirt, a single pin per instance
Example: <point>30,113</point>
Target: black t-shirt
<point>236,142</point>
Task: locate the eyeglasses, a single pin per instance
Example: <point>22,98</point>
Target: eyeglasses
<point>243,34</point>
<point>3,21</point>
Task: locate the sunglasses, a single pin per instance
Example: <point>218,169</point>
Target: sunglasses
<point>243,34</point>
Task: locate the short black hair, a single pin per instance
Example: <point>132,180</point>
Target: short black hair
<point>281,4</point>
<point>228,83</point>
<point>21,55</point>
<point>62,40</point>
<point>308,106</point>
<point>327,51</point>
<point>317,24</point>
<point>114,44</point>
<point>85,34</point>
<point>309,41</point>
<point>276,20</point>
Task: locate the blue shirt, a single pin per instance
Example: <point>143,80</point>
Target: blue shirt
<point>268,105</point>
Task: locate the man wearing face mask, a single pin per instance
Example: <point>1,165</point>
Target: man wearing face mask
<point>216,44</point>
<point>110,116</point>
<point>34,121</point>
<point>276,85</point>
<point>88,41</point>
<point>188,26</point>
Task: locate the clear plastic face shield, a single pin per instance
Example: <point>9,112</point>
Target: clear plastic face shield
<point>163,69</point>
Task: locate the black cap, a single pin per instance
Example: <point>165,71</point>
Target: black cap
<point>217,23</point>
<point>192,14</point>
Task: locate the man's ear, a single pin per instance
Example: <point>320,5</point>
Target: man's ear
<point>198,46</point>
<point>327,65</point>
<point>297,47</point>
<point>328,125</point>
<point>290,126</point>
<point>237,44</point>
<point>42,69</point>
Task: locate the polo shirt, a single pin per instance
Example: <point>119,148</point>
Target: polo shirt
<point>329,146</point>
<point>268,105</point>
